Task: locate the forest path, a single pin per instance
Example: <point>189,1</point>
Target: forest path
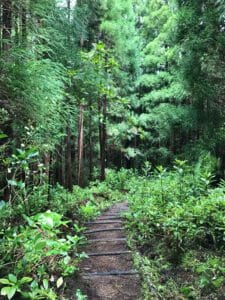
<point>108,271</point>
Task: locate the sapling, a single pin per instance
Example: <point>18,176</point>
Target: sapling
<point>179,167</point>
<point>161,172</point>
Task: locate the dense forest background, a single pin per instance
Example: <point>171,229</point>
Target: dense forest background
<point>101,84</point>
<point>92,85</point>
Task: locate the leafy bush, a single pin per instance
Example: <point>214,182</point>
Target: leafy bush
<point>38,250</point>
<point>117,180</point>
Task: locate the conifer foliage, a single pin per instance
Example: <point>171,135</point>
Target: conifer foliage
<point>144,78</point>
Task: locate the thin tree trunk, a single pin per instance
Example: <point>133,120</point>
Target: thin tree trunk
<point>69,14</point>
<point>81,147</point>
<point>24,24</point>
<point>7,23</point>
<point>68,159</point>
<point>102,108</point>
<point>16,24</point>
<point>48,172</point>
<point>47,158</point>
<point>63,179</point>
<point>90,142</point>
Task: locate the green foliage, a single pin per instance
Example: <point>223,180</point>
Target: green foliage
<point>174,213</point>
<point>40,292</point>
<point>36,292</point>
<point>123,34</point>
<point>39,250</point>
<point>32,107</point>
<point>117,180</point>
<point>80,295</point>
<point>180,212</point>
<point>47,248</point>
<point>163,115</point>
<point>211,273</point>
<point>13,285</point>
<point>85,203</point>
<point>88,211</point>
<point>35,244</point>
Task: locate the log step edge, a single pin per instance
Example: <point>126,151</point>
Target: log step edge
<point>112,273</point>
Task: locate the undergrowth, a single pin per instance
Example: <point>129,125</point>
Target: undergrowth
<point>176,227</point>
<point>41,237</point>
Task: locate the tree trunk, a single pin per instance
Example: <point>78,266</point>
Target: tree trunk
<point>7,23</point>
<point>69,12</point>
<point>90,141</point>
<point>63,179</point>
<point>68,159</point>
<point>47,159</point>
<point>16,24</point>
<point>48,172</point>
<point>81,147</point>
<point>102,109</point>
<point>24,24</point>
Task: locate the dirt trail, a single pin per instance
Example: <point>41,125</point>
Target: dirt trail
<point>108,273</point>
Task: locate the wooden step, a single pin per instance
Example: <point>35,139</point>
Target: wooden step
<point>109,253</point>
<point>108,218</point>
<point>102,222</point>
<point>103,230</point>
<point>117,211</point>
<point>112,273</point>
<point>111,215</point>
<point>107,240</point>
